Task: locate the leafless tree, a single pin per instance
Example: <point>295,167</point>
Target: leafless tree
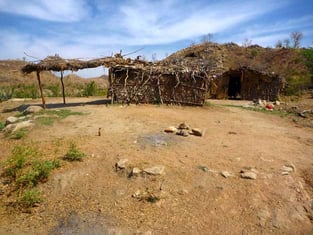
<point>154,57</point>
<point>286,43</point>
<point>279,44</point>
<point>296,39</point>
<point>207,38</point>
<point>246,42</point>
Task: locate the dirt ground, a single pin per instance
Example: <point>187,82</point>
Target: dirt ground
<point>191,197</point>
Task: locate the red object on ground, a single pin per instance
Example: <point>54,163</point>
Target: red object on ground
<point>269,107</point>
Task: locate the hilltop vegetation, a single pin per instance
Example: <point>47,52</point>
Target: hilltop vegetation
<point>294,65</point>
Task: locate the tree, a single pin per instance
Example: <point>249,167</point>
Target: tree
<point>207,38</point>
<point>296,39</point>
<point>279,44</point>
<point>154,57</point>
<point>246,42</point>
<point>286,43</point>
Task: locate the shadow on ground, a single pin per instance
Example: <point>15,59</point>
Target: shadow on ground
<point>22,107</point>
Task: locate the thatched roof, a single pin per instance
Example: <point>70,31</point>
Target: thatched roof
<point>56,63</point>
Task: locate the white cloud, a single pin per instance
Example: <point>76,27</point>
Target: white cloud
<point>159,23</point>
<point>56,10</point>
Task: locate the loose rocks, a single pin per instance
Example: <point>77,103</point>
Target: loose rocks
<point>197,132</point>
<point>171,129</point>
<point>182,133</point>
<point>136,171</point>
<point>156,170</point>
<point>226,174</point>
<point>11,120</point>
<point>32,109</point>
<point>121,164</point>
<point>248,175</point>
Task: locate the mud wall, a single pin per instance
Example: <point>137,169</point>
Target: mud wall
<point>129,85</point>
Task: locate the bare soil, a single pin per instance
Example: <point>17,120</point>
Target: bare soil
<point>192,197</point>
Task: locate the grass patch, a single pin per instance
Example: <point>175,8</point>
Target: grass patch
<point>47,121</point>
<point>74,154</point>
<point>19,134</point>
<point>29,198</point>
<point>38,172</point>
<point>50,116</point>
<point>20,158</point>
<point>1,126</point>
<point>25,169</point>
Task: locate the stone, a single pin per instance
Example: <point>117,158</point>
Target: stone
<point>285,173</point>
<point>197,132</point>
<point>136,171</point>
<point>248,175</point>
<point>287,169</point>
<point>14,127</point>
<point>11,120</point>
<point>183,126</point>
<point>156,170</point>
<point>182,133</point>
<point>121,164</point>
<point>226,174</point>
<point>32,109</point>
<point>263,216</point>
<point>171,129</point>
<point>290,165</point>
<point>277,102</point>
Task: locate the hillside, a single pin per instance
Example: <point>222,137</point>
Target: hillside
<point>287,63</point>
<point>15,84</point>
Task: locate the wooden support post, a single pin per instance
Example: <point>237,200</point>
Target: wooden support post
<point>63,91</point>
<point>41,92</point>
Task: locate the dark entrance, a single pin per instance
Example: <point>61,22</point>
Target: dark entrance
<point>234,87</point>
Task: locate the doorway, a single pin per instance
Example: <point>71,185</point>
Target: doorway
<point>234,87</point>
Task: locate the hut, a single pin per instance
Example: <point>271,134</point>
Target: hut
<point>157,84</point>
<point>246,84</point>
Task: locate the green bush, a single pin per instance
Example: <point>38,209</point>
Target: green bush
<point>297,84</point>
<point>74,154</point>
<point>29,198</point>
<point>308,54</point>
<point>19,134</point>
<point>55,89</point>
<point>21,156</point>
<point>1,126</point>
<point>90,89</point>
<point>26,91</point>
<point>39,172</point>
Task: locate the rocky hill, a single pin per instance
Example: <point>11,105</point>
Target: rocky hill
<point>222,57</point>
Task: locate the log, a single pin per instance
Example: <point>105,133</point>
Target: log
<point>41,92</point>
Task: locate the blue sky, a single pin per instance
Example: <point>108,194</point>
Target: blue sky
<point>95,28</point>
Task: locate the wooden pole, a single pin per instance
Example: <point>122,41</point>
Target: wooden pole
<point>63,91</point>
<point>41,92</point>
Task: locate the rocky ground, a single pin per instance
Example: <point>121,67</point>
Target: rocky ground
<point>248,172</point>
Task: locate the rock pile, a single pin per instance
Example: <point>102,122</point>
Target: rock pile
<point>184,130</point>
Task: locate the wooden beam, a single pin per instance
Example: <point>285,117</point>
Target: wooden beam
<point>41,92</point>
<point>63,90</point>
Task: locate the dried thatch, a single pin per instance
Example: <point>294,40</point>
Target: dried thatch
<point>56,63</point>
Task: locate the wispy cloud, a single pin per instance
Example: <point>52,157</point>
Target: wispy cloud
<point>56,10</point>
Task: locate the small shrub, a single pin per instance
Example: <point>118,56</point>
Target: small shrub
<point>1,126</point>
<point>21,156</point>
<point>39,172</point>
<point>19,134</point>
<point>29,198</point>
<point>90,89</point>
<point>74,154</point>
